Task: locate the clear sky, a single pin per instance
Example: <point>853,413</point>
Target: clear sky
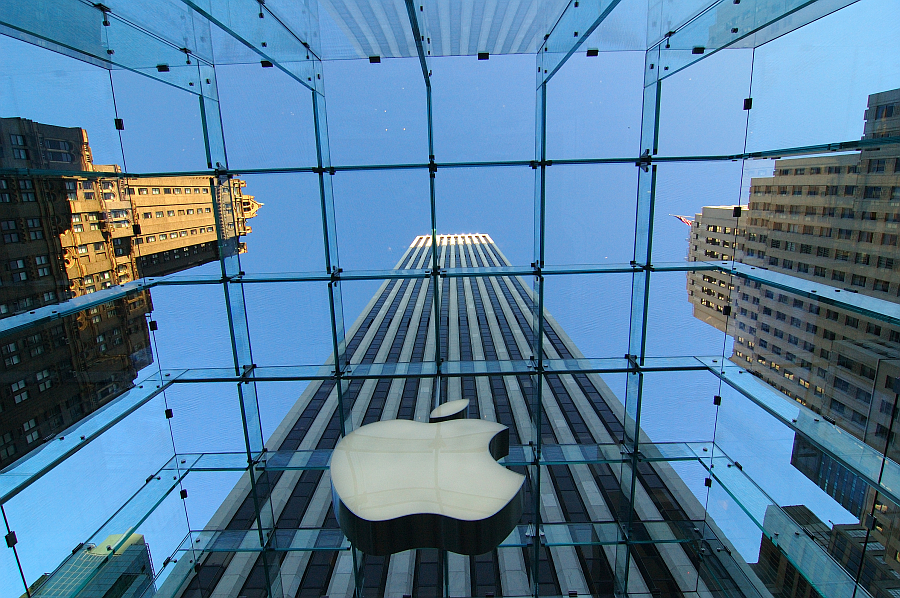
<point>808,87</point>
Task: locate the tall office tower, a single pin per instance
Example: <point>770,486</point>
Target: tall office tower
<point>832,220</point>
<point>481,318</point>
<point>70,228</point>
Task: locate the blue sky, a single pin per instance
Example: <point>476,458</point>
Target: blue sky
<point>808,87</point>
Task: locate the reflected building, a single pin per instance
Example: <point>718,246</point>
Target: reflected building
<point>113,569</point>
<point>482,318</point>
<point>775,567</point>
<point>832,220</point>
<point>70,228</point>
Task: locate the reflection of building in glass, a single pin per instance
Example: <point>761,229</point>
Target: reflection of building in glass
<point>847,488</point>
<point>774,568</point>
<point>832,220</point>
<point>69,228</point>
<point>113,569</point>
<point>480,319</point>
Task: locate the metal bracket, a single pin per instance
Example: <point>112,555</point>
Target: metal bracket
<point>644,161</point>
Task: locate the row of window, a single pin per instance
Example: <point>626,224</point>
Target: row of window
<point>868,191</point>
<point>817,170</point>
<point>174,235</point>
<point>185,212</point>
<point>168,190</point>
<point>722,229</point>
<point>824,211</point>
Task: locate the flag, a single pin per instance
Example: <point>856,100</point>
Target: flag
<point>684,219</point>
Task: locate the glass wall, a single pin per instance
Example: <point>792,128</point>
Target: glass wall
<point>233,233</point>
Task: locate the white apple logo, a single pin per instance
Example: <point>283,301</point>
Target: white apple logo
<point>399,484</point>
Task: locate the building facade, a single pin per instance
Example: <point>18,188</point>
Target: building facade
<point>69,228</point>
<point>832,220</point>
<point>482,318</point>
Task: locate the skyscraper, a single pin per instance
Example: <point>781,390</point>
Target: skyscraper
<point>482,318</point>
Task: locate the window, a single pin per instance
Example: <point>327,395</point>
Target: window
<point>17,140</point>
<point>151,239</point>
<point>78,228</point>
<point>837,275</point>
<point>82,249</point>
<point>154,191</point>
<point>841,255</point>
<point>803,268</point>
<point>819,271</point>
<point>31,434</point>
<point>861,258</point>
<point>190,212</point>
<point>11,238</point>
<point>889,239</point>
<point>170,213</point>
<point>886,111</point>
<point>873,329</point>
<point>858,281</point>
<point>823,252</point>
<point>866,236</point>
<point>849,190</point>
<point>36,235</point>
<point>851,321</point>
<point>147,215</point>
<point>876,165</point>
<point>142,191</point>
<point>872,193</point>
<point>881,285</point>
<point>20,154</point>
<point>167,191</point>
<point>187,190</point>
<point>163,236</point>
<point>45,271</point>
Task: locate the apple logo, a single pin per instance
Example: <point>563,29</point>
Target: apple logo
<point>399,484</point>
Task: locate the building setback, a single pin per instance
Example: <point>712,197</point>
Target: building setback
<point>484,318</point>
<point>832,220</point>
